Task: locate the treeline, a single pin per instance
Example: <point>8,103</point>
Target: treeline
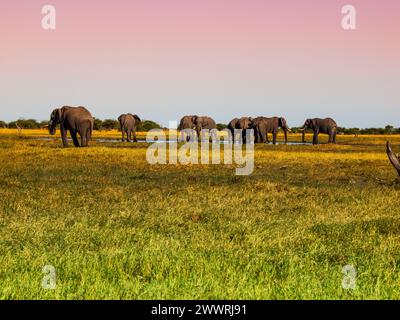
<point>108,124</point>
<point>387,130</point>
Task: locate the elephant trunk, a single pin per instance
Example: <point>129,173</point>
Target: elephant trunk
<point>52,128</point>
<point>393,158</point>
<point>303,128</point>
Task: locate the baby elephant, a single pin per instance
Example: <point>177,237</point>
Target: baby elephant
<point>129,123</point>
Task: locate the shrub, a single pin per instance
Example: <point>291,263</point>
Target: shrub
<point>148,125</point>
<point>221,126</point>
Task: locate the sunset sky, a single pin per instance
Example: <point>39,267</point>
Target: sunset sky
<point>163,59</point>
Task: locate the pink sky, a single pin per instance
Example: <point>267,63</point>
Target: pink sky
<point>224,58</point>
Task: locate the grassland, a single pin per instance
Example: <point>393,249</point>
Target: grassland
<point>115,227</point>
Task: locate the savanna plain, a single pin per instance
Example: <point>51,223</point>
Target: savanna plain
<point>115,227</point>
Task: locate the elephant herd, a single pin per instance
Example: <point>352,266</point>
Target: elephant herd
<point>78,120</point>
<point>262,126</point>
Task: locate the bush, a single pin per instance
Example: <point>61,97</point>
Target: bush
<point>98,124</point>
<point>221,126</point>
<point>109,124</point>
<point>24,124</point>
<point>3,124</point>
<point>148,125</point>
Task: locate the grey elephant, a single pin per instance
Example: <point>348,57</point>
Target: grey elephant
<point>186,123</point>
<point>128,123</point>
<point>205,123</point>
<point>76,120</point>
<point>244,123</point>
<point>327,126</point>
<point>393,158</point>
<point>262,126</point>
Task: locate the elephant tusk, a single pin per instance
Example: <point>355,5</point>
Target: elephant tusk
<point>393,158</point>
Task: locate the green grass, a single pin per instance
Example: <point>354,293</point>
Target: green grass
<point>115,227</point>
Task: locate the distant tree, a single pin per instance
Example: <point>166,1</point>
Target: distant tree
<point>12,124</point>
<point>389,129</point>
<point>98,124</point>
<point>148,125</point>
<point>221,126</point>
<point>110,124</point>
<point>352,131</point>
<point>3,124</point>
<point>24,124</point>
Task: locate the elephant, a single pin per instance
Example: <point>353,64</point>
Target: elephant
<point>129,123</point>
<point>186,123</point>
<point>205,123</point>
<point>76,120</point>
<point>393,158</point>
<point>244,123</point>
<point>262,126</point>
<point>327,126</point>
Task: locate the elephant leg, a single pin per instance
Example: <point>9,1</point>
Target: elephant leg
<point>123,135</point>
<point>244,138</point>
<point>264,136</point>
<point>258,136</point>
<point>334,137</point>
<point>235,138</point>
<point>134,136</point>
<point>64,136</point>
<point>75,138</point>
<point>84,140</point>
<point>286,139</point>
<point>255,136</point>
<point>88,136</point>
<point>274,136</point>
<point>198,132</point>
<point>315,138</point>
<point>304,136</point>
<point>330,138</point>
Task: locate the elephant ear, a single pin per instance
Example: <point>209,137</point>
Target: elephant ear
<point>194,119</point>
<point>282,122</point>
<point>120,117</point>
<point>60,114</point>
<point>137,118</point>
<point>314,123</point>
